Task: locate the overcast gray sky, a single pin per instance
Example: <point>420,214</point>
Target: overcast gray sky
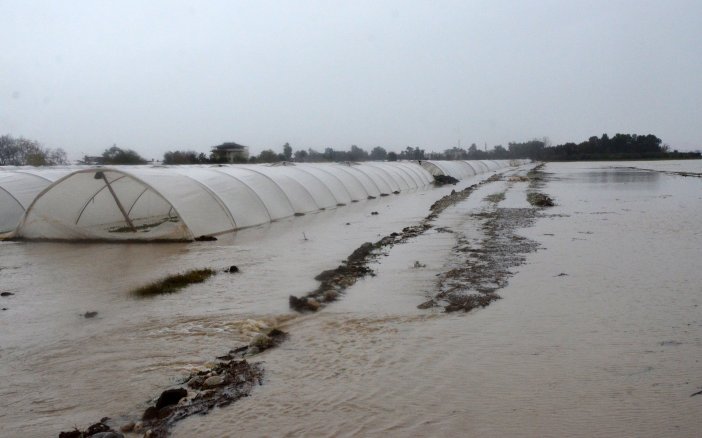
<point>164,75</point>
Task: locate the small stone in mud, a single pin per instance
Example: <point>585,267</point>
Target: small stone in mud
<point>261,342</point>
<point>313,304</point>
<point>233,269</point>
<point>127,427</point>
<point>90,314</point>
<point>302,304</point>
<point>331,295</point>
<point>150,413</point>
<point>196,382</point>
<point>6,294</point>
<point>213,381</point>
<point>298,304</point>
<point>171,397</point>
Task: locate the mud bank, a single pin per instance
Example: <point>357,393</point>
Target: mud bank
<point>334,282</point>
<point>483,267</point>
<point>228,380</point>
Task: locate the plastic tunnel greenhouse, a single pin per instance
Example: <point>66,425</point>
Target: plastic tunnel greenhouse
<point>18,188</point>
<point>186,202</point>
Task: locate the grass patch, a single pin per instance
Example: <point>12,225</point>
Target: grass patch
<point>496,197</point>
<point>174,283</point>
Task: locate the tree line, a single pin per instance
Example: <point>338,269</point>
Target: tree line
<point>20,152</point>
<point>23,152</point>
<point>619,147</point>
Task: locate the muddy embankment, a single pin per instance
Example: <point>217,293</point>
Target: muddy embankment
<point>481,269</point>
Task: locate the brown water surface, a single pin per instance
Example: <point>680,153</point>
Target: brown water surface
<point>610,348</point>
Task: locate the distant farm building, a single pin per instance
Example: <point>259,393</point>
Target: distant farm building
<point>92,160</point>
<point>231,152</point>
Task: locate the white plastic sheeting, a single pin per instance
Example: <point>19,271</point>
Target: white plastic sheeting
<point>184,202</point>
<point>18,188</point>
<point>460,169</point>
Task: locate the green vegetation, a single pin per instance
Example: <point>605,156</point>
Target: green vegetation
<point>619,147</point>
<point>173,283</point>
<point>23,152</point>
<point>115,155</point>
<point>185,157</point>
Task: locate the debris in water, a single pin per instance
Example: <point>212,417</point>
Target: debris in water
<point>205,239</point>
<point>233,269</point>
<point>6,294</point>
<point>440,180</point>
<point>91,314</point>
<point>419,265</point>
<point>539,200</point>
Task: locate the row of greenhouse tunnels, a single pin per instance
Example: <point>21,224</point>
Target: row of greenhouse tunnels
<point>183,203</point>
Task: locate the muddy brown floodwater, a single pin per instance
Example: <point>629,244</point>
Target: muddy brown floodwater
<point>598,332</point>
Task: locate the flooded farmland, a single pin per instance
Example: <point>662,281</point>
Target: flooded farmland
<point>598,331</point>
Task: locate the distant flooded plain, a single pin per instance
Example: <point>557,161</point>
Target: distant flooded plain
<point>598,333</point>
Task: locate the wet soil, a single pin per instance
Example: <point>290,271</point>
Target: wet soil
<point>483,267</point>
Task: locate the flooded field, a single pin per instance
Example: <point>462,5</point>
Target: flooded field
<point>598,331</point>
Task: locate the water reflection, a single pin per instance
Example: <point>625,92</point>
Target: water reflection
<point>636,179</point>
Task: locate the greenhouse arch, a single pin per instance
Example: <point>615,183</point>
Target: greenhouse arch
<point>186,202</point>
